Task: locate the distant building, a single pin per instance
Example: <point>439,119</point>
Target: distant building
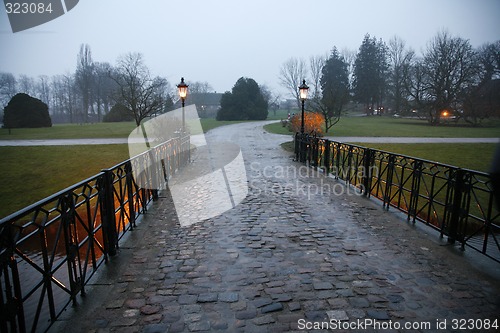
<point>207,104</point>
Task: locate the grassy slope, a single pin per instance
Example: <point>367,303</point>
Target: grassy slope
<point>475,156</point>
<point>30,174</point>
<point>99,130</point>
<point>70,131</point>
<point>396,127</point>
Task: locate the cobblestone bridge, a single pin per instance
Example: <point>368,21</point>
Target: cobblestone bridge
<point>300,251</point>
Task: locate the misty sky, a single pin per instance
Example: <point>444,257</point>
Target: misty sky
<point>219,41</point>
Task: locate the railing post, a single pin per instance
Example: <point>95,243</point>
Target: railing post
<point>315,152</point>
<point>388,185</point>
<point>153,180</point>
<point>337,151</point>
<point>456,208</point>
<point>71,242</point>
<point>297,146</point>
<point>326,157</point>
<point>130,193</point>
<point>415,189</point>
<point>110,234</point>
<point>308,150</point>
<point>11,304</point>
<point>367,172</point>
<point>347,174</point>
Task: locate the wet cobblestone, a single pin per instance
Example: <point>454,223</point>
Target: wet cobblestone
<point>284,254</point>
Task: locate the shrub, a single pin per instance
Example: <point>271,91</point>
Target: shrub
<point>24,111</point>
<point>314,123</point>
<point>118,113</point>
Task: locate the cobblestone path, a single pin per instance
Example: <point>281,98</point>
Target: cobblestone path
<point>301,250</point>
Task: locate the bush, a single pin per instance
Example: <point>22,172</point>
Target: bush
<point>24,111</point>
<point>118,113</point>
<point>314,123</point>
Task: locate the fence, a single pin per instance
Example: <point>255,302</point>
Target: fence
<point>50,250</point>
<point>459,203</point>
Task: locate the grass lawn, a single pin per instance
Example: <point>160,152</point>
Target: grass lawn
<point>87,131</point>
<point>70,131</point>
<point>398,127</point>
<point>475,156</point>
<point>209,123</point>
<point>30,174</point>
<point>277,115</point>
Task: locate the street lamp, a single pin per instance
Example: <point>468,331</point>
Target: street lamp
<point>303,88</point>
<point>182,88</point>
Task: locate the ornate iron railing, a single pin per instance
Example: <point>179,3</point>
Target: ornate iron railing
<point>457,202</point>
<point>51,249</point>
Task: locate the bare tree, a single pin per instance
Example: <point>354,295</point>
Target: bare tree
<point>26,85</point>
<point>57,97</point>
<point>292,72</point>
<point>7,88</point>
<point>137,90</point>
<point>84,79</point>
<point>316,64</point>
<point>271,97</point>
<point>450,66</point>
<point>349,58</point>
<point>399,59</point>
<point>63,98</point>
<point>103,88</point>
<point>482,100</point>
<point>198,87</point>
<point>413,84</point>
<point>43,89</point>
<point>489,61</point>
<point>70,93</point>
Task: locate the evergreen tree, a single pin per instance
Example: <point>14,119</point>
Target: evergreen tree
<point>244,102</point>
<point>26,111</point>
<point>370,71</point>
<point>334,88</point>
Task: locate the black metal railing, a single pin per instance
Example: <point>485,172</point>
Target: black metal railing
<point>457,202</point>
<point>51,249</point>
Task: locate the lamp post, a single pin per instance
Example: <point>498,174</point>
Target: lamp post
<point>182,88</point>
<point>303,88</point>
